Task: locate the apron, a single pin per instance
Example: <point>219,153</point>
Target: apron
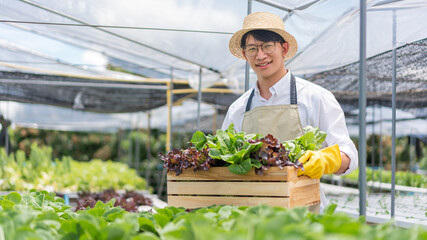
<point>281,121</point>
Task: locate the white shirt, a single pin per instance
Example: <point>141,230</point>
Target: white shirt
<point>317,107</point>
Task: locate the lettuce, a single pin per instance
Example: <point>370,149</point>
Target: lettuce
<point>229,146</point>
<point>311,140</point>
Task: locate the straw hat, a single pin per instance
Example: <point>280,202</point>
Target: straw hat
<point>262,21</point>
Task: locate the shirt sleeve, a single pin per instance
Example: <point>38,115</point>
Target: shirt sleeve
<point>332,121</point>
<point>227,121</point>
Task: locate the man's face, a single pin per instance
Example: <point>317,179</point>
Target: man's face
<point>267,66</point>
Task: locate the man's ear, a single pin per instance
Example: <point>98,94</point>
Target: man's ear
<point>244,55</point>
<point>285,48</point>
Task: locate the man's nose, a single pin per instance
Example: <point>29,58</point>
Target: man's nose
<point>260,54</point>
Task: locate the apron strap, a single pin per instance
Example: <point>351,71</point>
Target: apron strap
<point>248,105</point>
<point>293,92</point>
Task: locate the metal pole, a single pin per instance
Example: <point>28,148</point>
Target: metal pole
<point>393,123</point>
<point>373,143</point>
<point>119,140</point>
<point>362,111</point>
<point>199,99</point>
<point>247,64</point>
<point>6,135</point>
<point>411,152</point>
<point>214,120</point>
<point>6,139</point>
<point>148,148</point>
<point>381,139</point>
<point>137,146</point>
<point>380,160</point>
<point>169,99</point>
<point>130,146</point>
<point>148,144</point>
<point>168,133</point>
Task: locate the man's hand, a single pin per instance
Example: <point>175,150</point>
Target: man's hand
<point>324,161</point>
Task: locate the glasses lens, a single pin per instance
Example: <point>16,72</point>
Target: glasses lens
<point>268,47</point>
<point>251,50</point>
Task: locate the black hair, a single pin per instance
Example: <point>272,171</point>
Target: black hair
<point>263,36</point>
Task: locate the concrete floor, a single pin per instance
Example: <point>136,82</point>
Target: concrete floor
<point>410,206</point>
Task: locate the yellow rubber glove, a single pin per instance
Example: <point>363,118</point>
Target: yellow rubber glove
<point>324,161</point>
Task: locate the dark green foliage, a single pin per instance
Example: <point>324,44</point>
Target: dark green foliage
<point>40,215</point>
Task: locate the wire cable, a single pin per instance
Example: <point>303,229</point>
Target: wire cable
<point>113,26</point>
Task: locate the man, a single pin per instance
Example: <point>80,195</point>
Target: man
<point>282,104</point>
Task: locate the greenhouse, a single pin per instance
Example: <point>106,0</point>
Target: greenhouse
<point>112,112</point>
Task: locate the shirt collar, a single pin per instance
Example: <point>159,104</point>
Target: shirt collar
<point>280,88</point>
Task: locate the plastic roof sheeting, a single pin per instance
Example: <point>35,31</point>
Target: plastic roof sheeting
<point>338,45</point>
<point>161,39</point>
<point>31,61</point>
<point>321,28</point>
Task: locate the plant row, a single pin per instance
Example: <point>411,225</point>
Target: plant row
<point>402,178</point>
<point>84,146</point>
<point>40,171</point>
<point>130,200</point>
<point>41,215</point>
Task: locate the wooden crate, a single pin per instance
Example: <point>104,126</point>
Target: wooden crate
<point>277,187</point>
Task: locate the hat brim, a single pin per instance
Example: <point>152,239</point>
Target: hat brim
<point>237,51</point>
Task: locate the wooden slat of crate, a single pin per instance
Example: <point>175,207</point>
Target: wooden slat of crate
<point>304,192</point>
<point>203,201</point>
<point>277,187</point>
<point>229,188</point>
<point>222,173</point>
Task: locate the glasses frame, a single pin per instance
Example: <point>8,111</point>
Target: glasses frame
<point>262,48</point>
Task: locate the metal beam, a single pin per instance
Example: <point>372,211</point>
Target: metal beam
<point>111,26</point>
<point>206,90</point>
<point>169,99</point>
<point>83,84</point>
<point>101,78</point>
<point>362,110</point>
<point>274,5</point>
<point>199,99</point>
<point>393,123</point>
<point>246,63</point>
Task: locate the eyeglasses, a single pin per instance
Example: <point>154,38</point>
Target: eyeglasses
<point>252,49</point>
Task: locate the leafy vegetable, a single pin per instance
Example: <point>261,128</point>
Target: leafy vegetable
<point>311,140</point>
<point>402,178</point>
<point>41,172</point>
<point>226,148</point>
<point>241,152</point>
<point>272,153</point>
<point>44,216</point>
<point>177,160</point>
<point>129,201</point>
<point>233,148</point>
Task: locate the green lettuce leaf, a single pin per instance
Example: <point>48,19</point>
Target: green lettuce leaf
<point>199,139</point>
<point>241,168</point>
